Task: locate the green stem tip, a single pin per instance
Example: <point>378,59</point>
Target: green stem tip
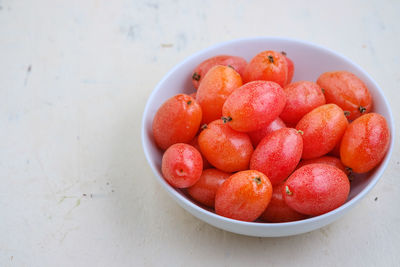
<point>257,180</point>
<point>288,192</point>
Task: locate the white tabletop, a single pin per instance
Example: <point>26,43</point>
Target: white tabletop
<point>75,187</point>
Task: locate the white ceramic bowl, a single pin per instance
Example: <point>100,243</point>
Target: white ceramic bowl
<point>310,61</point>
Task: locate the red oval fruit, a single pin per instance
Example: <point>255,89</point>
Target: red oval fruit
<point>224,148</point>
<point>181,165</point>
<point>346,90</point>
<point>365,142</point>
<point>257,136</point>
<point>193,95</point>
<point>336,150</point>
<point>253,106</point>
<point>217,85</point>
<point>316,189</point>
<point>333,161</point>
<point>236,63</point>
<point>278,154</point>
<point>176,121</point>
<point>267,66</point>
<point>277,209</point>
<point>322,128</point>
<point>301,98</point>
<point>206,187</point>
<point>195,144</point>
<point>290,66</point>
<point>243,196</point>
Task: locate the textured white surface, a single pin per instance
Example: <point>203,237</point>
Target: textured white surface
<point>74,78</point>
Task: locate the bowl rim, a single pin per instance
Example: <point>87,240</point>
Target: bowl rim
<point>345,206</point>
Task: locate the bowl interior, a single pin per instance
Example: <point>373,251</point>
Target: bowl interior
<point>310,61</point>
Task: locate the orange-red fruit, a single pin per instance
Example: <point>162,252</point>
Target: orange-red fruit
<point>333,161</point>
<point>290,66</point>
<point>301,98</point>
<point>278,154</point>
<point>336,150</point>
<point>322,129</point>
<point>181,165</point>
<point>253,106</point>
<point>195,144</point>
<point>346,90</point>
<point>206,187</point>
<point>277,209</point>
<point>316,189</point>
<point>236,63</point>
<point>176,121</point>
<point>243,196</point>
<point>365,142</point>
<point>217,85</point>
<point>193,95</point>
<point>226,149</point>
<point>267,66</point>
<point>257,136</point>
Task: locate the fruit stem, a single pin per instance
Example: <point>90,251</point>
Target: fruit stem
<point>226,119</point>
<point>257,180</point>
<point>288,192</point>
<point>271,59</point>
<point>323,90</point>
<point>204,126</point>
<point>300,132</point>
<point>346,113</point>
<point>362,109</point>
<point>283,53</point>
<point>189,102</point>
<point>196,76</point>
<point>350,173</point>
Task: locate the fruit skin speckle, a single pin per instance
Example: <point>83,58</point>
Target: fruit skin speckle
<point>243,196</point>
<point>217,85</point>
<point>277,209</point>
<point>365,142</point>
<point>226,149</point>
<point>176,121</point>
<point>316,189</point>
<point>301,98</point>
<point>181,165</point>
<point>330,160</point>
<point>254,105</point>
<point>346,90</point>
<point>267,66</point>
<point>258,135</point>
<point>322,128</point>
<point>205,189</point>
<point>278,154</point>
<point>237,63</point>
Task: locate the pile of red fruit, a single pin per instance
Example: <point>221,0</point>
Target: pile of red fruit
<point>252,145</point>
